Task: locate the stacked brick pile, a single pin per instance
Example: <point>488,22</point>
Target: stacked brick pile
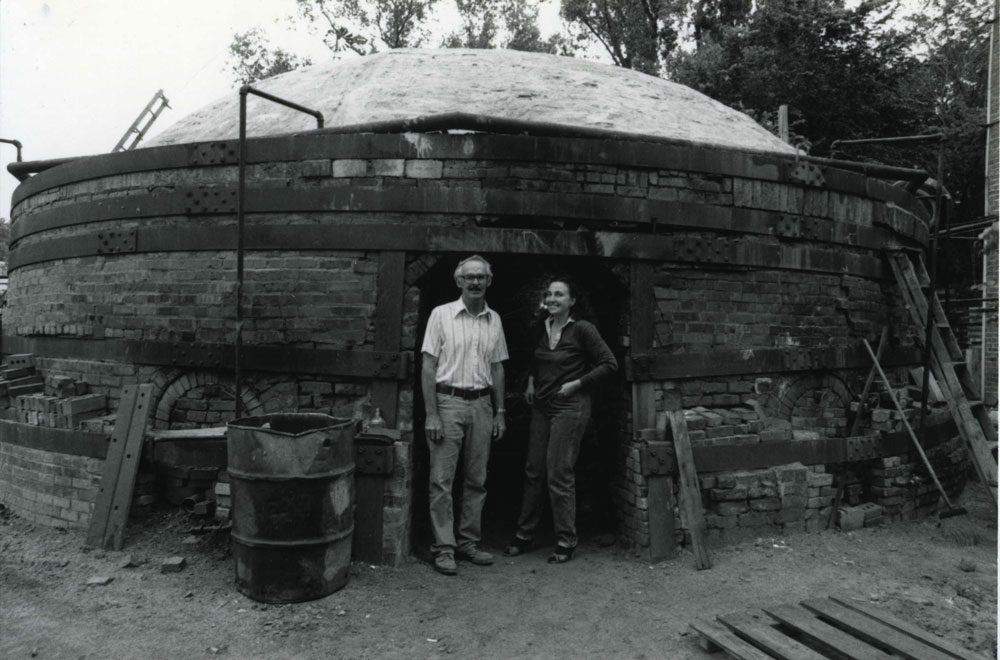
<point>885,417</point>
<point>749,504</point>
<point>59,412</point>
<point>904,488</point>
<point>223,498</point>
<point>740,425</point>
<point>17,377</point>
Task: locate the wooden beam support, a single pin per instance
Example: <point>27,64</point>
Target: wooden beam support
<point>388,328</point>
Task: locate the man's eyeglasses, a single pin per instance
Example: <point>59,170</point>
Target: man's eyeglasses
<point>475,278</point>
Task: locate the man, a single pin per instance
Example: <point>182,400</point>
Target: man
<point>462,375</point>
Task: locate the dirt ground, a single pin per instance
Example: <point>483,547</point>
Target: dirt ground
<point>606,603</point>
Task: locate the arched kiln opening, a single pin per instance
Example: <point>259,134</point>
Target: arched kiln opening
<point>516,295</point>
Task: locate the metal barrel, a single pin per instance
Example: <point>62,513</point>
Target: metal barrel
<point>292,479</point>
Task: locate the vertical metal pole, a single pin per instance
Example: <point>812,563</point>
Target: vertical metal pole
<point>240,203</point>
<point>783,122</point>
<point>932,277</point>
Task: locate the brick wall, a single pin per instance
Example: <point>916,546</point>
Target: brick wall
<point>321,299</point>
<point>706,308</point>
<point>51,489</point>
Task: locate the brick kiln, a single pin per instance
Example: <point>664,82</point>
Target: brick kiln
<point>732,277</point>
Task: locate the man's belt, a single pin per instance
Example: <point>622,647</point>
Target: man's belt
<point>461,393</point>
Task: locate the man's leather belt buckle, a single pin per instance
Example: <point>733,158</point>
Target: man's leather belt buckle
<point>462,394</point>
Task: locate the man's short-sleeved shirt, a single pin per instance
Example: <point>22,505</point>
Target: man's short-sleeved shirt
<point>465,344</point>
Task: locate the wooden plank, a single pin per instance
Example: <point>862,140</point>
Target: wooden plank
<point>689,491</point>
<point>917,377</point>
<point>662,543</point>
<point>388,327</point>
<point>662,525</point>
<point>872,631</point>
<point>713,636</point>
<point>760,631</point>
<point>642,305</point>
<point>121,503</point>
<point>824,634</point>
<point>112,465</point>
<point>366,544</point>
<point>213,433</point>
<point>925,636</point>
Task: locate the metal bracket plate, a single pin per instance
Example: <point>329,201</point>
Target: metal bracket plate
<point>862,448</point>
<point>657,459</point>
<point>807,173</point>
<point>210,200</point>
<point>213,153</point>
<point>114,242</point>
<point>373,457</point>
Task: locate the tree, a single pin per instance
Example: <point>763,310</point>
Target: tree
<point>637,34</point>
<point>950,85</point>
<point>841,70</point>
<point>509,24</point>
<point>366,27</point>
<point>369,26</point>
<point>252,58</point>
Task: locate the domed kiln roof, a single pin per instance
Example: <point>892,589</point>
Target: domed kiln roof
<point>403,84</point>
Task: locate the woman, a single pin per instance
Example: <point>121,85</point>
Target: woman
<point>569,359</point>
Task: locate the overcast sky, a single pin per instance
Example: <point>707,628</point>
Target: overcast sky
<point>74,74</point>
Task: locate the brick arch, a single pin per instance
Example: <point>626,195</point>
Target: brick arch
<point>815,402</point>
<point>198,398</point>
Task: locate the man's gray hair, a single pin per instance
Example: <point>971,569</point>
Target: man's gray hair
<point>475,257</point>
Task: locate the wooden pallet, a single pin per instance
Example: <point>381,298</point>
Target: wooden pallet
<point>948,366</point>
<point>821,629</point>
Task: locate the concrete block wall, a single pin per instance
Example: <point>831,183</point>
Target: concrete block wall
<point>48,488</point>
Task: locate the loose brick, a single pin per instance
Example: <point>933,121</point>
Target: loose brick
<point>173,565</point>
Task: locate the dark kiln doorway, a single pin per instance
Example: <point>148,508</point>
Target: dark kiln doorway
<point>516,295</point>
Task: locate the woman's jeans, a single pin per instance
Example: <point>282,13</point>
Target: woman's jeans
<point>557,427</point>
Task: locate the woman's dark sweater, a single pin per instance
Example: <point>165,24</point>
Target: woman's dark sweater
<point>580,353</point>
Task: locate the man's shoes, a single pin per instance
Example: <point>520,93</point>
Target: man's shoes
<point>475,555</point>
<point>444,564</point>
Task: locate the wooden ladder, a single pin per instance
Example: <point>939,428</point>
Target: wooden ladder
<point>948,365</point>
